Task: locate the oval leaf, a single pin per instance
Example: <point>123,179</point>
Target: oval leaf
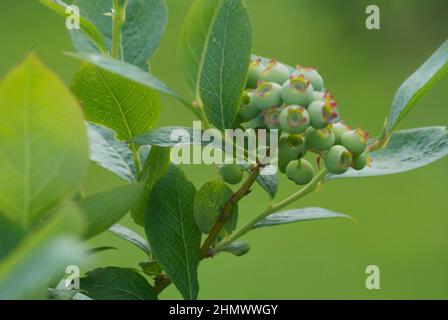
<point>43,142</point>
<point>114,283</point>
<point>406,150</point>
<point>209,201</point>
<point>104,209</point>
<point>298,215</point>
<point>130,236</point>
<point>172,232</point>
<point>215,46</point>
<point>418,84</point>
<point>125,106</point>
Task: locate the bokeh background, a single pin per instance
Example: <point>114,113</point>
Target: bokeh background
<point>401,220</point>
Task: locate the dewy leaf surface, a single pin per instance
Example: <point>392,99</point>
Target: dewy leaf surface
<point>141,33</point>
<point>215,46</point>
<point>127,107</point>
<point>172,232</point>
<point>407,150</point>
<point>418,85</point>
<point>43,142</point>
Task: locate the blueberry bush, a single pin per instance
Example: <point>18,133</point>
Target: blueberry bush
<point>48,133</point>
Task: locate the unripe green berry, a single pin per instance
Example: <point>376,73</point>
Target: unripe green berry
<point>355,141</point>
<point>339,129</point>
<point>360,161</point>
<point>231,173</point>
<point>255,123</point>
<point>267,95</point>
<point>271,118</point>
<point>311,75</point>
<point>248,109</point>
<point>256,67</point>
<point>300,171</point>
<point>275,72</point>
<point>291,147</point>
<point>320,113</point>
<point>319,139</point>
<point>338,159</point>
<point>294,119</point>
<point>297,90</point>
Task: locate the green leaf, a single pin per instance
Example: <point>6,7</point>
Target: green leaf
<point>237,248</point>
<point>162,137</point>
<point>269,183</point>
<point>151,268</point>
<point>171,230</point>
<point>104,209</point>
<point>125,106</point>
<point>406,150</point>
<point>114,283</point>
<point>418,85</point>
<point>141,32</point>
<point>110,153</point>
<point>89,31</point>
<point>26,272</point>
<point>298,215</point>
<point>131,236</point>
<point>209,201</point>
<point>215,46</point>
<point>43,142</point>
<point>155,167</point>
<point>96,250</point>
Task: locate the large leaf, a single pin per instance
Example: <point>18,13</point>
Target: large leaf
<point>110,153</point>
<point>418,84</point>
<point>105,209</point>
<point>140,34</point>
<point>209,201</point>
<point>172,232</point>
<point>125,106</point>
<point>407,150</point>
<point>114,283</point>
<point>298,215</point>
<point>155,167</point>
<point>215,46</point>
<point>91,34</point>
<point>131,236</point>
<point>43,142</point>
<point>25,273</point>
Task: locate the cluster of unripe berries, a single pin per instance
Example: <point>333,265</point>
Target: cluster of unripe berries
<point>296,103</point>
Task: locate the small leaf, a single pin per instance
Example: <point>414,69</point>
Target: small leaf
<point>131,236</point>
<point>268,183</point>
<point>141,32</point>
<point>104,209</point>
<point>125,106</point>
<point>110,153</point>
<point>114,283</point>
<point>298,215</point>
<point>208,203</point>
<point>171,230</point>
<point>43,143</point>
<point>237,248</point>
<point>418,85</point>
<point>406,150</point>
<point>164,137</point>
<point>151,268</point>
<point>155,167</point>
<point>89,31</point>
<point>215,45</point>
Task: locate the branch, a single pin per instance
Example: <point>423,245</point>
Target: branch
<point>226,211</point>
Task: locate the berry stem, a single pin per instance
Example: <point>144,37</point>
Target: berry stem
<point>227,210</point>
<point>310,187</point>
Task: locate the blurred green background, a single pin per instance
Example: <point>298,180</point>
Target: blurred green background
<point>401,219</point>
